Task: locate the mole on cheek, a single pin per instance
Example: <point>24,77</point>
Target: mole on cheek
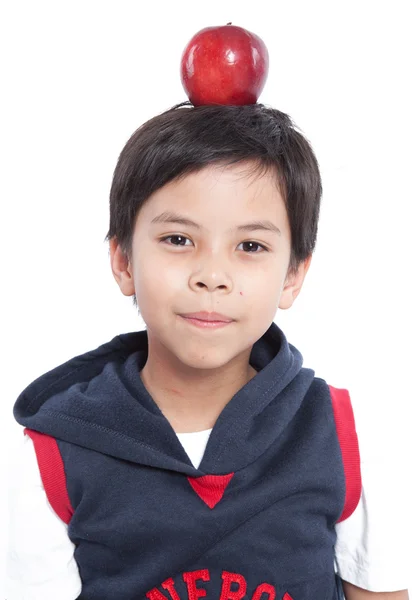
<point>241,293</point>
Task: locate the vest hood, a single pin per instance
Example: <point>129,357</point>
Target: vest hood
<point>97,400</point>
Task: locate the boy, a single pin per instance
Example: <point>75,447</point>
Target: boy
<point>198,458</point>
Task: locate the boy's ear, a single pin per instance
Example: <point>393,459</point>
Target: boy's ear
<point>293,284</point>
<point>121,268</point>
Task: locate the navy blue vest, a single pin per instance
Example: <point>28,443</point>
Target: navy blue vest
<point>255,521</point>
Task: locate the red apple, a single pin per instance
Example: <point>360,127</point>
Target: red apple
<point>224,65</point>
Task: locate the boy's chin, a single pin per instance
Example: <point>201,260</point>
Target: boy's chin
<point>206,358</point>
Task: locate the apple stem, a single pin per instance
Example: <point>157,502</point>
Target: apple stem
<point>229,23</point>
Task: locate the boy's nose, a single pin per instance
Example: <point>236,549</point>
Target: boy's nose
<point>211,276</point>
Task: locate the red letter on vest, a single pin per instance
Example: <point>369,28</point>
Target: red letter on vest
<point>154,594</point>
<point>264,588</point>
<point>190,580</point>
<point>228,579</point>
<point>169,585</point>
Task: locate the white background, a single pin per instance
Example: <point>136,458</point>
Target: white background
<point>79,77</point>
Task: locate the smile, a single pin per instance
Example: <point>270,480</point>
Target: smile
<point>206,324</point>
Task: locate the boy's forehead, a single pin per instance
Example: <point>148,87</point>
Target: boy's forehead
<point>240,175</point>
<point>217,189</point>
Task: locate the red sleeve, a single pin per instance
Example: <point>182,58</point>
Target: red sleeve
<point>348,440</point>
<point>52,473</point>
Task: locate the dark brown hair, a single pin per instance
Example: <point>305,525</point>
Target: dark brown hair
<point>184,139</point>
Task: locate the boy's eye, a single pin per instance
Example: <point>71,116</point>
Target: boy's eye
<point>175,237</point>
<point>248,244</point>
<point>180,239</point>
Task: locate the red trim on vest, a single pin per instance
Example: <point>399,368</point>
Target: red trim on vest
<point>210,488</point>
<point>348,440</point>
<point>52,473</point>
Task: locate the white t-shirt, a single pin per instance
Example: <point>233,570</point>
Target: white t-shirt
<point>371,550</point>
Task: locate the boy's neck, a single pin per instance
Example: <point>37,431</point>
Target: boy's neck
<point>192,399</point>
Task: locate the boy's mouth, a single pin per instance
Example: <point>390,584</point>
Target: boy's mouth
<point>210,317</point>
<point>206,320</point>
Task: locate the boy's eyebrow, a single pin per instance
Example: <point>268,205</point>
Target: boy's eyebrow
<point>171,217</point>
